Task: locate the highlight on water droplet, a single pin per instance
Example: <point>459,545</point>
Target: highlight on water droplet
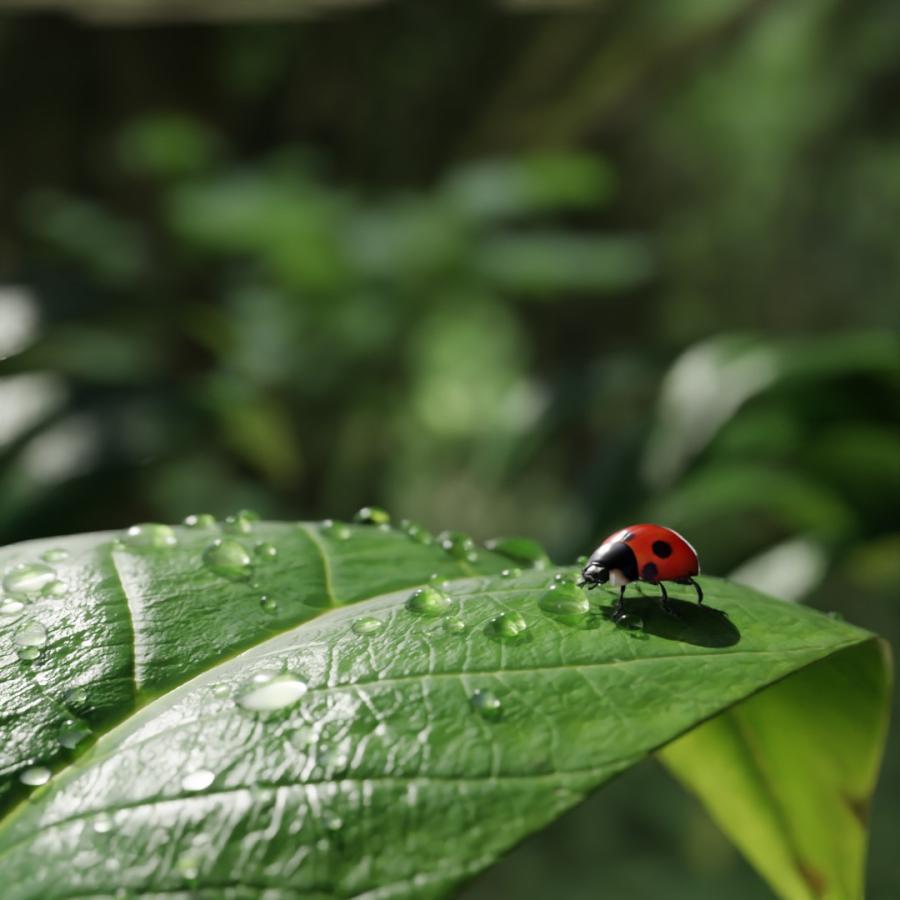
<point>429,601</point>
<point>35,776</point>
<point>487,704</point>
<point>29,580</point>
<point>200,520</point>
<point>629,622</point>
<point>55,555</point>
<point>523,551</point>
<point>269,604</point>
<point>455,625</point>
<point>564,598</point>
<point>367,626</point>
<point>265,550</point>
<point>29,640</point>
<point>150,534</point>
<point>72,733</point>
<point>198,780</point>
<point>372,515</point>
<point>508,626</point>
<point>274,694</point>
<point>228,558</point>
<point>510,573</point>
<point>337,531</point>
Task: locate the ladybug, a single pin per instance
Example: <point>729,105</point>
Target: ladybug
<point>648,553</point>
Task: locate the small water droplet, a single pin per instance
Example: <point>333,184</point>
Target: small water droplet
<point>372,515</point>
<point>200,520</point>
<point>274,694</point>
<point>35,776</point>
<point>523,551</point>
<point>29,640</point>
<point>11,607</point>
<point>229,559</point>
<point>416,532</point>
<point>563,598</point>
<point>457,543</point>
<point>367,626</point>
<point>629,622</point>
<point>487,704</point>
<point>77,696</point>
<point>55,555</point>
<point>150,534</point>
<point>337,531</point>
<point>455,625</point>
<point>510,573</point>
<point>269,604</point>
<point>28,580</point>
<point>265,550</point>
<point>103,824</point>
<point>221,690</point>
<point>188,866</point>
<point>241,522</point>
<point>72,733</point>
<point>508,626</point>
<point>429,601</point>
<point>199,780</point>
<point>54,589</point>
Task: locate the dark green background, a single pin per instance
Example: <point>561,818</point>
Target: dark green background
<point>507,271</point>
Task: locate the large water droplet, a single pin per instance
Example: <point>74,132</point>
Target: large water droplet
<point>372,515</point>
<point>11,608</point>
<point>563,598</point>
<point>337,531</point>
<point>367,626</point>
<point>35,776</point>
<point>29,580</point>
<point>455,625</point>
<point>523,551</point>
<point>29,640</point>
<point>487,704</point>
<point>55,555</point>
<point>200,520</point>
<point>72,733</point>
<point>199,780</point>
<point>508,626</point>
<point>429,601</point>
<point>274,694</point>
<point>229,559</point>
<point>265,550</point>
<point>150,534</point>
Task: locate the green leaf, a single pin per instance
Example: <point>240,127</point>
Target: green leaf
<point>395,747</point>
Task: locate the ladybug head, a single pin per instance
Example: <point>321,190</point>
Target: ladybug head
<point>594,573</point>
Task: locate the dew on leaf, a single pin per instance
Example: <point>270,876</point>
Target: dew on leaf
<point>367,626</point>
<point>77,696</point>
<point>30,639</point>
<point>416,532</point>
<point>72,733</point>
<point>10,607</point>
<point>508,626</point>
<point>487,704</point>
<point>523,551</point>
<point>55,555</point>
<point>455,625</point>
<point>188,866</point>
<point>337,531</point>
<point>429,601</point>
<point>372,515</point>
<point>629,622</point>
<point>269,604</point>
<point>563,598</point>
<point>265,550</point>
<point>29,580</point>
<point>198,780</point>
<point>241,522</point>
<point>458,544</point>
<point>273,694</point>
<point>35,776</point>
<point>510,573</point>
<point>150,534</point>
<point>200,520</point>
<point>103,824</point>
<point>228,558</point>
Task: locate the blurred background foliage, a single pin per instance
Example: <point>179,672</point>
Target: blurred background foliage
<point>538,268</point>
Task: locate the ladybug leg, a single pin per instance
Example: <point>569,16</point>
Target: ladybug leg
<point>664,596</point>
<point>698,589</point>
<point>619,608</point>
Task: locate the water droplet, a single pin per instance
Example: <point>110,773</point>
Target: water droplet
<point>199,780</point>
<point>455,625</point>
<point>265,550</point>
<point>487,704</point>
<point>103,824</point>
<point>54,589</point>
<point>629,621</point>
<point>55,555</point>
<point>221,690</point>
<point>563,598</point>
<point>200,520</point>
<point>28,580</point>
<point>372,515</point>
<point>523,551</point>
<point>416,532</point>
<point>11,607</point>
<point>337,531</point>
<point>150,534</point>
<point>274,694</point>
<point>510,573</point>
<point>229,559</point>
<point>457,543</point>
<point>241,522</point>
<point>429,601</point>
<point>35,776</point>
<point>367,625</point>
<point>29,640</point>
<point>72,733</point>
<point>269,604</point>
<point>77,696</point>
<point>508,626</point>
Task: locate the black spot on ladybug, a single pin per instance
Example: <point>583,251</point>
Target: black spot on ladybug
<point>663,549</point>
<point>649,572</point>
<point>627,536</point>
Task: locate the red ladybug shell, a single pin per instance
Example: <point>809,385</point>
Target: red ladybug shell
<point>661,553</point>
